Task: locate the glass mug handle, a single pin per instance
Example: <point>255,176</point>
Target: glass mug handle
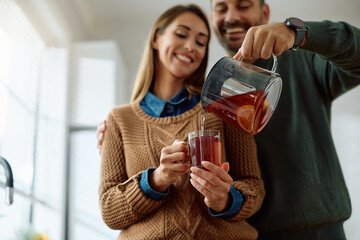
<point>275,62</point>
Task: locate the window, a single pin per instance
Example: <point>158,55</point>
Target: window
<point>55,189</point>
<point>32,126</point>
<point>92,92</point>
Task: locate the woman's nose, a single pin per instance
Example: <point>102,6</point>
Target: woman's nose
<point>189,45</point>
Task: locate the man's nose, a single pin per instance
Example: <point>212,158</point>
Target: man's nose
<point>232,15</point>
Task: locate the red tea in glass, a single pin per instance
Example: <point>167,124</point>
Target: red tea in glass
<point>248,111</point>
<point>205,145</point>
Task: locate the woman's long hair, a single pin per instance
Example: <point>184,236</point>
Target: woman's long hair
<point>146,72</point>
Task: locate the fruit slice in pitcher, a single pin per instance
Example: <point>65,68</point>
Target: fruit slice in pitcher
<point>266,104</point>
<point>245,116</point>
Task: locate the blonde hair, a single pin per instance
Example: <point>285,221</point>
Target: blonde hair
<point>147,67</point>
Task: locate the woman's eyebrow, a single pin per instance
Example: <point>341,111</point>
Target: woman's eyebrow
<point>189,29</point>
<point>184,26</point>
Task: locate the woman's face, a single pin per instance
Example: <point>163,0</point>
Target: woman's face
<point>181,47</point>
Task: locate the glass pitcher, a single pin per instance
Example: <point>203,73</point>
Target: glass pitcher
<point>242,94</point>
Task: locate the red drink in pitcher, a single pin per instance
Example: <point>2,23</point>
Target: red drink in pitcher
<point>205,148</point>
<point>248,111</point>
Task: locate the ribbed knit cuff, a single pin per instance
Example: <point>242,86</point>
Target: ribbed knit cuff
<point>136,197</point>
<point>250,201</point>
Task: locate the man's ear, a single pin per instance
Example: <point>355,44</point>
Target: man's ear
<point>211,16</point>
<point>265,11</point>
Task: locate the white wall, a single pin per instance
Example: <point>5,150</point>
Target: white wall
<point>92,84</point>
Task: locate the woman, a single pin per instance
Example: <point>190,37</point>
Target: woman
<point>146,189</point>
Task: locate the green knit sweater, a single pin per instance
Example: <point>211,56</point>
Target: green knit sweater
<point>133,143</point>
<point>299,164</point>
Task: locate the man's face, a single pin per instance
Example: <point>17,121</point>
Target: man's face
<point>231,19</point>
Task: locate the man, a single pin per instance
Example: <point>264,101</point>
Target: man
<point>306,194</point>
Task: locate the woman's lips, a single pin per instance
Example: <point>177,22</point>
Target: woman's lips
<point>184,58</point>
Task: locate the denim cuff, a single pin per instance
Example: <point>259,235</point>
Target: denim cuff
<point>148,191</point>
<point>235,202</point>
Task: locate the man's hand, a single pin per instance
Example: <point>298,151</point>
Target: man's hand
<point>100,134</point>
<point>263,40</point>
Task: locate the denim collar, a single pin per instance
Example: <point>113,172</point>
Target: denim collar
<point>157,106</point>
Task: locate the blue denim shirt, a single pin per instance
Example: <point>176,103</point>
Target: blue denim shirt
<point>179,104</point>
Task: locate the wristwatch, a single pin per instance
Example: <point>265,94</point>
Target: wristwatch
<point>299,28</point>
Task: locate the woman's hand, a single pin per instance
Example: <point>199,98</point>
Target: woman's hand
<point>214,184</point>
<point>174,163</point>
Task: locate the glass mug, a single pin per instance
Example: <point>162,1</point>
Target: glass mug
<point>204,145</point>
<point>242,94</point>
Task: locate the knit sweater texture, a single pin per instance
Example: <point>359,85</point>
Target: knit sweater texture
<point>133,143</point>
<point>299,165</point>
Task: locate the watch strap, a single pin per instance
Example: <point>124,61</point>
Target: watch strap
<point>299,29</point>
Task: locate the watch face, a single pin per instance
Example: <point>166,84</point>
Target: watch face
<point>297,22</point>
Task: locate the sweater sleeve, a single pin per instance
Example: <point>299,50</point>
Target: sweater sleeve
<point>122,202</point>
<point>244,169</point>
<point>336,63</point>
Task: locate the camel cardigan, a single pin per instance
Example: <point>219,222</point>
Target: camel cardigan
<point>133,143</point>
